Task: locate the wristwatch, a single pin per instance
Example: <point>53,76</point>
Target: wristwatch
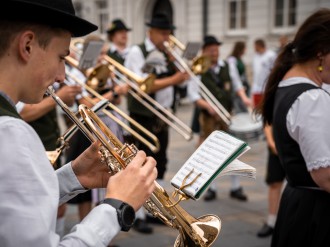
<point>125,213</point>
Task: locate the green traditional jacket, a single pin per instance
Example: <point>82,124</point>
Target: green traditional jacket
<point>220,85</point>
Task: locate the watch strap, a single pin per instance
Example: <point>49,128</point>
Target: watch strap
<point>120,207</point>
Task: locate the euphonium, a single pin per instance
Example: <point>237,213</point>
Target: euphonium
<point>202,231</point>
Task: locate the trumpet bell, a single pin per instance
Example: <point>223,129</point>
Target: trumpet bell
<point>146,84</point>
<point>206,231</point>
<point>200,65</point>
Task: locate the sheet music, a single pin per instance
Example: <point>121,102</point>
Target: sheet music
<point>90,54</point>
<point>208,160</point>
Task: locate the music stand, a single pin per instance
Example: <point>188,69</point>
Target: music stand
<point>191,51</point>
<point>90,54</point>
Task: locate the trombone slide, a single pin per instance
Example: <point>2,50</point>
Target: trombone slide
<point>205,93</point>
<point>153,147</point>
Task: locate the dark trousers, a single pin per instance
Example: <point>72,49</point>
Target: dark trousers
<point>160,130</point>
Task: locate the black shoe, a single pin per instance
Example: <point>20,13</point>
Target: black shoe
<point>142,226</point>
<point>265,231</point>
<point>153,220</point>
<point>238,194</point>
<point>210,195</point>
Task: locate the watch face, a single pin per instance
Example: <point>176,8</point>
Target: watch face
<point>128,215</point>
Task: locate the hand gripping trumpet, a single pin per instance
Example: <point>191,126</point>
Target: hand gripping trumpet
<point>201,231</point>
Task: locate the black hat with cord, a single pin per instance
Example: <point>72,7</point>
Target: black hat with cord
<point>210,40</point>
<point>55,13</point>
<point>160,21</point>
<point>117,25</point>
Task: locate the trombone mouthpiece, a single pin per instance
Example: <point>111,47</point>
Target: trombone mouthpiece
<point>50,90</point>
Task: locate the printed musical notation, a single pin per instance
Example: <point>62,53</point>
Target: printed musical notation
<point>216,154</point>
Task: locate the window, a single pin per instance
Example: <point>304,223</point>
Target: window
<point>285,13</point>
<point>103,16</point>
<point>237,14</point>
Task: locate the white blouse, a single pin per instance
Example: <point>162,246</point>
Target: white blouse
<point>308,122</point>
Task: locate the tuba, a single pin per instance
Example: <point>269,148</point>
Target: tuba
<point>202,231</point>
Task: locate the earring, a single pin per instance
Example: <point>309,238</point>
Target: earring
<point>320,67</point>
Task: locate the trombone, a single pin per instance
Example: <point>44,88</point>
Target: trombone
<point>153,147</point>
<point>199,64</point>
<point>141,95</point>
<point>205,93</point>
<point>139,88</point>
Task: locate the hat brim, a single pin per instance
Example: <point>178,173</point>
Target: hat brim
<point>26,11</point>
<point>212,43</point>
<point>115,30</point>
<point>160,26</point>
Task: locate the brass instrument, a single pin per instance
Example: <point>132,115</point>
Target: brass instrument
<point>201,231</point>
<point>137,90</point>
<point>141,95</point>
<point>153,147</point>
<point>63,140</point>
<point>199,64</point>
<point>144,84</point>
<point>205,93</point>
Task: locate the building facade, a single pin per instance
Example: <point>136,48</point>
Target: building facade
<point>228,20</point>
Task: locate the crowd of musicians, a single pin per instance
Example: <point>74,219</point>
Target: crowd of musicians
<point>38,54</point>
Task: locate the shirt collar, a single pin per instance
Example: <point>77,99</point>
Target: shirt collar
<point>296,80</point>
<point>149,45</point>
<point>7,98</point>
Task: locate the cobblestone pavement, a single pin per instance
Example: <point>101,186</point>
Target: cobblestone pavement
<point>240,220</point>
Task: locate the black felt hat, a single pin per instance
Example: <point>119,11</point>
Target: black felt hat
<point>56,13</point>
<point>160,21</point>
<point>211,40</point>
<point>117,25</point>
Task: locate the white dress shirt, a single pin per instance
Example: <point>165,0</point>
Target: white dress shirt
<point>31,192</point>
<point>234,74</point>
<point>262,65</point>
<point>308,123</point>
<point>135,61</point>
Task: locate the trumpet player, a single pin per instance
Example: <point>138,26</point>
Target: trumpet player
<point>32,52</point>
<point>150,57</point>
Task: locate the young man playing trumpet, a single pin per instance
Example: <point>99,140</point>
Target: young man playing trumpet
<point>32,51</point>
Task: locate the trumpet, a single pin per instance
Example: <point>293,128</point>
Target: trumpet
<point>205,93</point>
<point>201,231</point>
<point>55,154</point>
<point>153,147</point>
